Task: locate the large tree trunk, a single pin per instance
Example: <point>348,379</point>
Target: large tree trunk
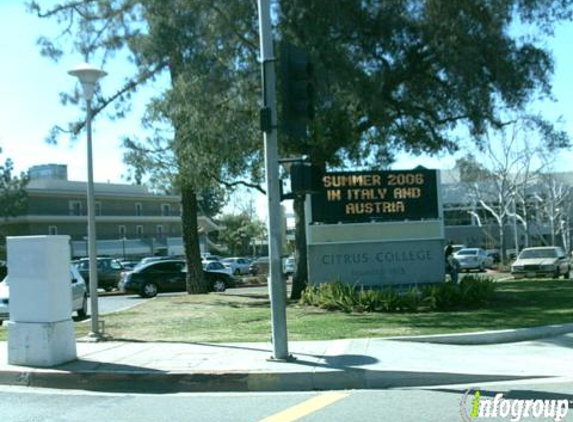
<point>195,282</point>
<point>300,277</point>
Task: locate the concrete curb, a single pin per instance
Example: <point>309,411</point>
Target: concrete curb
<point>492,337</point>
<point>172,382</point>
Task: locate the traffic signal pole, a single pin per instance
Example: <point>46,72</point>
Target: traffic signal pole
<point>277,287</point>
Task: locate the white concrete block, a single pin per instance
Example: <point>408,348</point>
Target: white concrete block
<point>39,277</point>
<point>41,344</point>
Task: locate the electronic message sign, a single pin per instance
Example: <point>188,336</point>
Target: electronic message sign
<point>355,197</point>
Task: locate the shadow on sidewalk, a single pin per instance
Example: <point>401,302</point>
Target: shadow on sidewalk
<point>330,361</point>
<point>308,372</point>
<point>560,341</point>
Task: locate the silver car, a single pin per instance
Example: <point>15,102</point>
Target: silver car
<point>472,259</point>
<point>548,261</point>
<point>79,295</point>
<point>238,266</point>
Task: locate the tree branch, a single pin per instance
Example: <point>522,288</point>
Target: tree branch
<point>238,183</point>
<point>130,86</point>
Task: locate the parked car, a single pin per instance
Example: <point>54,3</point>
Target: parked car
<point>494,255</point>
<point>216,267</point>
<point>108,272</point>
<point>79,295</point>
<point>128,264</point>
<point>473,259</point>
<point>167,276</point>
<point>3,270</point>
<point>548,261</point>
<point>149,259</point>
<point>238,266</point>
<point>4,301</point>
<point>259,266</point>
<point>289,266</point>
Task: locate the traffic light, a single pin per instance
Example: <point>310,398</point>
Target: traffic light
<point>297,91</point>
<point>305,178</point>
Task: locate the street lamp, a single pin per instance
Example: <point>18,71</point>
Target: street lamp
<point>123,239</point>
<point>88,76</point>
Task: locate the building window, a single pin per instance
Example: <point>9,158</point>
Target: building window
<point>159,230</point>
<point>138,209</point>
<point>165,210</point>
<point>122,231</point>
<point>98,208</point>
<point>75,207</point>
<point>52,230</point>
<point>139,231</point>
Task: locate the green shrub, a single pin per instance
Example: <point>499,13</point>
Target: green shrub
<point>412,300</point>
<point>472,291</point>
<point>331,296</point>
<point>476,290</point>
<point>368,301</point>
<point>441,296</point>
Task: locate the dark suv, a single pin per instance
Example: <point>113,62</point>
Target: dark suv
<point>168,276</point>
<point>108,272</point>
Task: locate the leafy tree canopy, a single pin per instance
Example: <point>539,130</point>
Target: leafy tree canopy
<point>203,120</point>
<point>239,233</point>
<point>406,74</point>
<point>13,197</point>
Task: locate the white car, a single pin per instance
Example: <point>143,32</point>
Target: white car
<point>289,266</point>
<point>547,261</point>
<point>238,266</point>
<point>79,295</point>
<point>473,259</point>
<point>216,267</point>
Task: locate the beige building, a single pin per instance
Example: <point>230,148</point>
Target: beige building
<point>130,220</point>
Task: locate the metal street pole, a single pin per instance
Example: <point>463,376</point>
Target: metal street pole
<point>88,76</point>
<point>92,251</point>
<point>277,287</point>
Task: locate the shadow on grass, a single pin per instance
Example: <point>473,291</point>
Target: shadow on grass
<point>255,296</point>
<point>257,303</point>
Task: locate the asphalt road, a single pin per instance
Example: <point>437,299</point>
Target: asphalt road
<point>439,404</point>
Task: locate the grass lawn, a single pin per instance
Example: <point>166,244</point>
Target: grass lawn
<point>245,316</point>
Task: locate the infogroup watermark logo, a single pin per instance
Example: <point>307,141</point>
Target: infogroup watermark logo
<point>477,407</point>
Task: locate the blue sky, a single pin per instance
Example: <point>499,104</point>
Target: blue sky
<point>29,102</point>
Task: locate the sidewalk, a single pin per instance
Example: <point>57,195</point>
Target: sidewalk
<point>317,365</point>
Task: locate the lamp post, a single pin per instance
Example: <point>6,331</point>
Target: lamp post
<point>88,76</point>
<point>123,239</point>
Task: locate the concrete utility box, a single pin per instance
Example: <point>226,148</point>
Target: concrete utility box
<point>40,330</point>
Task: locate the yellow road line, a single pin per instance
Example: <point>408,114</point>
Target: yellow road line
<point>305,408</point>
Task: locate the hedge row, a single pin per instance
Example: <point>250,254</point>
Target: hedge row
<point>470,292</point>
